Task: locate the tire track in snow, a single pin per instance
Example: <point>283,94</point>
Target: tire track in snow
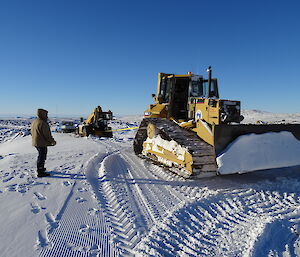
<point>154,191</point>
<point>82,227</point>
<point>210,221</point>
<point>134,201</point>
<point>227,224</point>
<point>158,194</point>
<point>186,189</point>
<point>124,209</point>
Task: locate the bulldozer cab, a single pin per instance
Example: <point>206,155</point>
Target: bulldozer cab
<point>179,91</point>
<point>101,119</point>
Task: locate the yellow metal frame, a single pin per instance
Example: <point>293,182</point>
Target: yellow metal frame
<point>203,126</point>
<point>166,154</point>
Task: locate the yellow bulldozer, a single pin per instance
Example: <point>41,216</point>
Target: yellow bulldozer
<point>188,126</point>
<point>96,124</point>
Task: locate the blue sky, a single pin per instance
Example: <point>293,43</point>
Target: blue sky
<point>70,56</point>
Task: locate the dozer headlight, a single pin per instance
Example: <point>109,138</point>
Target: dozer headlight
<point>147,114</point>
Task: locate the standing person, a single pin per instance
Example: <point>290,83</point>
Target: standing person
<point>41,138</point>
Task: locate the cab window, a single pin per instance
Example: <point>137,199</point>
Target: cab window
<point>213,90</point>
<point>199,88</point>
<point>165,89</point>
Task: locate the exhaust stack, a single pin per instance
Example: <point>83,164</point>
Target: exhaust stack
<point>209,81</point>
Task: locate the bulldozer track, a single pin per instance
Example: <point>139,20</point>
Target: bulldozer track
<point>203,154</point>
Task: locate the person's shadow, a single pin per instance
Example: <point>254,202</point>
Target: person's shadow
<point>63,175</point>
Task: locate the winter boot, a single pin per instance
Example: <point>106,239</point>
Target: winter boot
<point>42,173</point>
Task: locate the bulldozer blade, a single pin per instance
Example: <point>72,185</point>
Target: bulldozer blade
<point>225,134</point>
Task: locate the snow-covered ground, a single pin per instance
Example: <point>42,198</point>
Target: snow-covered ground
<point>102,200</point>
<point>256,116</point>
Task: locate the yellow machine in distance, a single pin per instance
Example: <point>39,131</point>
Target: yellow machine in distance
<point>96,124</point>
<point>189,125</point>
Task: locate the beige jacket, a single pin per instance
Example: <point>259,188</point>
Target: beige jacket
<point>40,130</point>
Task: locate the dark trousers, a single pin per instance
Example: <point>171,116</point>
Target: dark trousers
<point>41,157</point>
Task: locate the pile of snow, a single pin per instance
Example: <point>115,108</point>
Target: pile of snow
<point>158,145</point>
<point>257,152</point>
